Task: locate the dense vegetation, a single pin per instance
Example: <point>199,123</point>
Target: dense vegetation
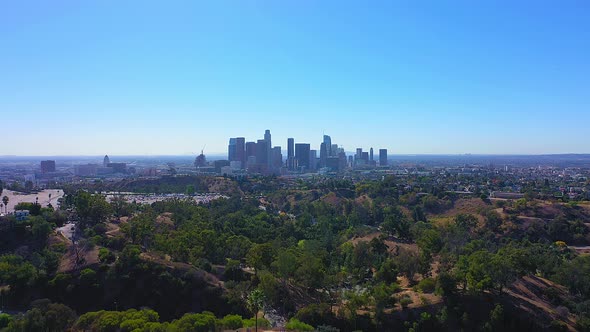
<point>324,254</point>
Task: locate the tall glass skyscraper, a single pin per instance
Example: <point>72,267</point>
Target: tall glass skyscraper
<point>302,154</point>
<point>290,153</point>
<point>231,150</point>
<point>267,139</point>
<point>241,150</point>
<point>382,157</point>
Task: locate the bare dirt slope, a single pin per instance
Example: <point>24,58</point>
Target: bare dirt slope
<point>530,294</point>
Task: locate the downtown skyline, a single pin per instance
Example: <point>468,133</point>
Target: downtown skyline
<point>416,79</point>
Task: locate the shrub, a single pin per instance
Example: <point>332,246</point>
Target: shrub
<point>405,301</point>
<point>88,277</point>
<point>426,285</point>
<point>105,255</point>
<point>296,325</point>
<point>232,322</point>
<point>262,323</point>
<point>5,319</point>
<point>315,314</point>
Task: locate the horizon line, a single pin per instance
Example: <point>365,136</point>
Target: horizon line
<point>225,153</point>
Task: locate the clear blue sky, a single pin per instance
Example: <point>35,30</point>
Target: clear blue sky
<point>167,77</point>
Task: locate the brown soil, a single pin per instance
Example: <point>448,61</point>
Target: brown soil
<point>68,260</point>
<point>528,294</point>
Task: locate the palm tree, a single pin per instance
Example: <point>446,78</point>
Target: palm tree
<point>5,201</point>
<point>255,301</point>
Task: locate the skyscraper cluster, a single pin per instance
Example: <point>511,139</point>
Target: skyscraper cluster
<point>259,156</point>
<point>262,157</point>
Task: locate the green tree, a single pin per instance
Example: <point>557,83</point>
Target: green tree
<point>395,223</point>
<point>237,247</point>
<point>466,221</point>
<point>410,262</point>
<point>105,255</point>
<point>286,264</point>
<point>388,271</point>
<point>120,206</point>
<point>40,229</point>
<point>478,274</point>
<point>575,275</point>
<point>496,322</point>
<point>141,229</point>
<point>260,256</point>
<point>44,316</point>
<point>382,295</point>
<point>92,209</point>
<point>17,272</point>
<point>190,190</point>
<point>493,221</point>
<point>430,241</point>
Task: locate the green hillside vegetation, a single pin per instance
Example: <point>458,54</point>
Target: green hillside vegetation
<point>327,255</point>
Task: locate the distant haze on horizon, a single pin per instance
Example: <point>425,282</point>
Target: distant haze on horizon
<point>139,78</point>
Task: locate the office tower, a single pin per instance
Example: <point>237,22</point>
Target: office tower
<point>334,150</point>
<point>85,170</point>
<point>342,160</point>
<point>290,153</point>
<point>302,155</point>
<point>313,159</point>
<point>267,139</point>
<point>371,155</point>
<point>219,164</point>
<point>382,157</point>
<point>359,153</point>
<point>277,157</point>
<point>250,154</point>
<point>323,155</point>
<point>333,163</point>
<point>106,161</point>
<point>267,136</point>
<point>251,160</point>
<point>365,157</point>
<point>48,166</point>
<point>241,151</point>
<point>328,142</point>
<point>231,150</point>
<point>262,152</point>
<point>290,147</point>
